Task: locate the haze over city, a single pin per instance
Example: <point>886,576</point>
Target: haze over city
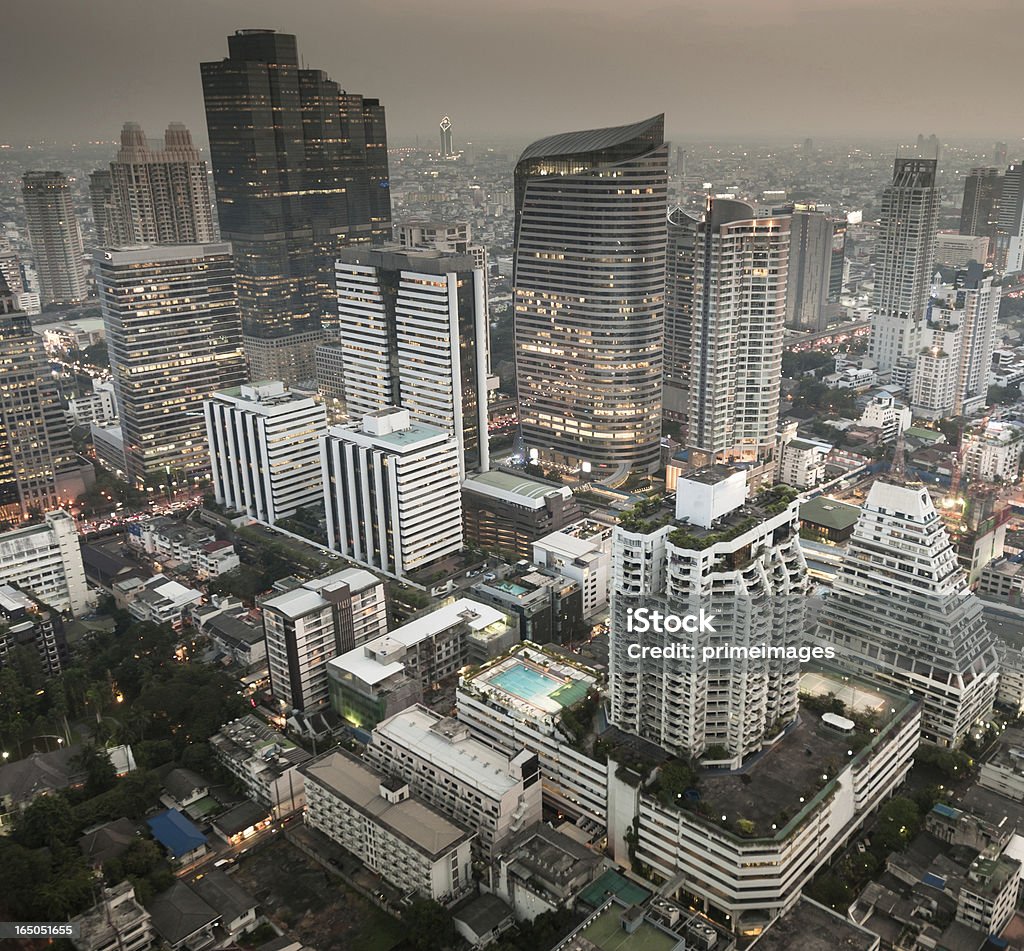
<point>744,69</point>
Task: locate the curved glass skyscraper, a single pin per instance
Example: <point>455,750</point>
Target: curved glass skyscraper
<point>590,295</point>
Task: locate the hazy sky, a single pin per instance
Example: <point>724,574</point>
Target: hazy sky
<point>520,69</point>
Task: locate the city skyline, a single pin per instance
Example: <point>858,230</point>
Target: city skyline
<point>785,42</point>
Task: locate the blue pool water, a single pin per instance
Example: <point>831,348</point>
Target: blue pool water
<point>525,683</point>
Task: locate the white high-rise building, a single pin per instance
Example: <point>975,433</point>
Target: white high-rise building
<point>46,561</point>
<point>717,554</point>
<point>265,450</point>
<point>310,625</point>
<point>174,332</point>
<point>904,255</point>
<point>413,329</point>
<point>900,611</point>
<point>392,492</point>
<point>56,237</point>
<point>952,368</point>
<point>725,325</point>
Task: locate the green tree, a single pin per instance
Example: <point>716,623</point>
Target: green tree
<point>898,822</point>
<point>47,822</point>
<point>429,925</point>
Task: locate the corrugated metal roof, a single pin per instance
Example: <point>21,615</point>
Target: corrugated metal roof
<point>592,140</point>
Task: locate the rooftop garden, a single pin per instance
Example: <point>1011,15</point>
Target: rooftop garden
<point>646,516</point>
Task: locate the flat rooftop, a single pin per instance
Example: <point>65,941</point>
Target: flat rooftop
<point>830,513</point>
<point>512,487</point>
<point>604,932</point>
<point>785,778</point>
<point>812,927</point>
<point>446,743</point>
<point>410,820</point>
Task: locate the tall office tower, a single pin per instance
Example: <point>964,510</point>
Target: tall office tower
<point>999,154</point>
<point>36,454</point>
<point>101,200</point>
<point>951,376</point>
<point>1008,254</point>
<point>55,236</point>
<point>903,261</point>
<point>414,333</point>
<point>391,490</point>
<point>900,611</point>
<point>265,450</point>
<point>158,195</point>
<point>175,338</point>
<point>447,149</point>
<point>810,268</point>
<point>722,554</point>
<point>679,275</point>
<point>836,267</point>
<point>309,626</point>
<point>300,169</point>
<point>980,210</point>
<point>729,325</point>
<point>590,295</point>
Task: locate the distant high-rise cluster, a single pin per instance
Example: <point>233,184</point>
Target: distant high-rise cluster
<point>301,171</point>
<point>56,237</point>
<point>153,195</point>
<point>590,295</point>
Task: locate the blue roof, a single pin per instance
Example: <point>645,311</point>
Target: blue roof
<point>948,811</point>
<point>936,881</point>
<point>175,833</point>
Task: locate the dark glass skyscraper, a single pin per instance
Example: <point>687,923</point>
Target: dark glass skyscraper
<point>300,169</point>
<point>590,295</point>
<point>980,211</point>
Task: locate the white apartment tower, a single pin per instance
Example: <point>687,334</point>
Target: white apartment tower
<point>46,561</point>
<point>56,237</point>
<point>265,450</point>
<point>174,332</point>
<point>392,492</point>
<point>952,367</point>
<point>158,195</point>
<point>413,328</point>
<point>739,560</point>
<point>900,611</point>
<point>725,325</point>
<point>904,255</point>
<point>310,625</point>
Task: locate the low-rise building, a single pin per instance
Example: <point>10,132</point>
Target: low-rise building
<point>885,413</point>
<point>547,604</point>
<point>1003,770</point>
<point>517,703</point>
<point>118,922</point>
<point>802,462</point>
<point>376,818</point>
<point>392,672</point>
<point>46,561</point>
<point>505,512</point>
<point>180,838</point>
<point>543,870</point>
<point>265,762</point>
<point>993,454</point>
<point>234,630</point>
<point>185,546</point>
<point>813,927</point>
<point>108,443</point>
<point>493,794</point>
<point>581,552</point>
<point>159,600</point>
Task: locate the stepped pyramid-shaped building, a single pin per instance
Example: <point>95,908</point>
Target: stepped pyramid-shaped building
<point>901,611</point>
